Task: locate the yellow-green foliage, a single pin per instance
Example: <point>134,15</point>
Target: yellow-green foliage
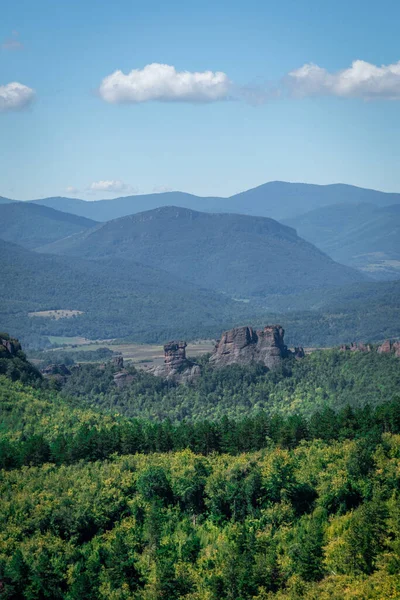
<point>30,411</point>
<point>309,523</point>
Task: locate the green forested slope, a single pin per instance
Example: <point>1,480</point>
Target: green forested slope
<point>320,521</point>
<point>118,299</point>
<point>268,507</point>
<point>31,225</point>
<point>327,378</point>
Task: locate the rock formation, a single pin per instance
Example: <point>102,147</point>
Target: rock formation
<point>385,348</point>
<point>176,366</point>
<point>9,345</point>
<point>55,369</point>
<point>244,345</point>
<point>118,361</point>
<point>388,346</point>
<point>356,347</point>
<point>123,378</point>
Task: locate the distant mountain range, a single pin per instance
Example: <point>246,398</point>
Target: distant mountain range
<point>32,225</point>
<point>277,200</point>
<point>239,255</point>
<point>360,235</point>
<point>174,271</point>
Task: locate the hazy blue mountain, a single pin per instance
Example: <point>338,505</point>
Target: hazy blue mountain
<point>276,199</point>
<point>32,225</point>
<point>118,299</point>
<point>5,200</point>
<point>239,255</point>
<point>360,235</point>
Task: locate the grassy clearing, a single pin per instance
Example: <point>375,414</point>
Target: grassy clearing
<point>56,314</point>
<point>138,354</point>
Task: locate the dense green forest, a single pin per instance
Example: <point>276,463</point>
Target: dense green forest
<point>326,378</point>
<point>307,518</point>
<point>269,505</point>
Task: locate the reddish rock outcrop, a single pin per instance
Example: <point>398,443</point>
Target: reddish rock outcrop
<point>385,348</point>
<point>388,346</point>
<point>244,345</point>
<point>176,366</point>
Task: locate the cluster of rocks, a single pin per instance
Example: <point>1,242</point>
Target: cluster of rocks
<point>245,345</point>
<point>177,367</point>
<point>57,372</point>
<point>241,345</point>
<point>387,347</point>
<point>356,347</point>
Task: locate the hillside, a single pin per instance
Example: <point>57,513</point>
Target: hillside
<point>94,505</point>
<point>32,225</point>
<point>359,235</point>
<point>5,200</point>
<point>239,255</point>
<point>117,298</point>
<point>323,379</point>
<point>275,199</point>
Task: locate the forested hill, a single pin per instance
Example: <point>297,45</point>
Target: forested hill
<point>32,225</point>
<point>117,299</point>
<point>359,235</point>
<point>97,506</point>
<point>330,379</point>
<point>236,254</point>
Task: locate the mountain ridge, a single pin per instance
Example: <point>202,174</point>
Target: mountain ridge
<point>275,199</point>
<point>240,255</point>
<point>32,225</point>
<point>361,235</point>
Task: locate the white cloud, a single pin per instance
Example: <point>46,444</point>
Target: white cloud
<point>361,80</point>
<point>14,96</point>
<point>111,186</point>
<point>12,43</point>
<point>71,190</point>
<point>165,84</point>
<point>161,189</point>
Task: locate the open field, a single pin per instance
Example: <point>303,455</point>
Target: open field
<point>137,354</point>
<point>56,314</point>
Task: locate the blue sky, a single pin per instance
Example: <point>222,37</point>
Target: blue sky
<point>68,127</point>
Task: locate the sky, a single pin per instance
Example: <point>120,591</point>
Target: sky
<point>100,99</point>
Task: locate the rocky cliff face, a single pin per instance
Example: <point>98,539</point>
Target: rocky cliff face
<point>388,346</point>
<point>244,345</point>
<point>176,366</point>
<point>9,346</point>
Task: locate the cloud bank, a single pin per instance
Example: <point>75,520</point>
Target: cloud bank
<point>361,80</point>
<point>165,84</point>
<point>15,96</point>
<point>110,186</point>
